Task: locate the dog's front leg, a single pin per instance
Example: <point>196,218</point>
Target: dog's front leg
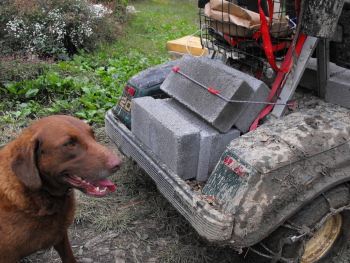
<point>65,251</point>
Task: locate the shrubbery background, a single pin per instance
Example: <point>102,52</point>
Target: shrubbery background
<point>39,40</point>
<point>57,28</point>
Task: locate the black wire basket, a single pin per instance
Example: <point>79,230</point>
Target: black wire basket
<point>245,34</point>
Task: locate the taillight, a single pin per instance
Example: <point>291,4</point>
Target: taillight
<point>130,90</point>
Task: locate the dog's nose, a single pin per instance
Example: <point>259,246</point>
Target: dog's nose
<point>113,161</point>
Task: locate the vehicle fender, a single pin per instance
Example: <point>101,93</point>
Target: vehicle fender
<point>267,175</point>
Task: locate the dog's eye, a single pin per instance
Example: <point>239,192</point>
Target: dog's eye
<point>70,143</point>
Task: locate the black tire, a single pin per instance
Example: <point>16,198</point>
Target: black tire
<point>278,247</point>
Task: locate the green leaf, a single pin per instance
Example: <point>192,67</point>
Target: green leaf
<point>31,93</point>
<point>111,69</point>
<point>109,105</point>
<point>17,114</point>
<point>66,105</point>
<point>11,88</point>
<point>51,110</point>
<point>86,90</point>
<point>81,114</point>
<point>91,113</point>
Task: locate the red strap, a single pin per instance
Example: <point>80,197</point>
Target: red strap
<point>267,39</point>
<point>271,9</point>
<point>277,47</point>
<point>287,62</point>
<point>233,41</point>
<point>280,46</point>
<point>279,78</point>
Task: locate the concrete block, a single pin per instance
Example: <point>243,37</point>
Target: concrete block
<point>232,84</point>
<point>186,144</point>
<point>170,136</point>
<point>252,110</point>
<point>141,121</point>
<point>309,78</point>
<point>212,142</point>
<point>338,89</point>
<point>219,113</point>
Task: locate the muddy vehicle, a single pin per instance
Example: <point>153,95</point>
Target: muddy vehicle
<point>251,144</point>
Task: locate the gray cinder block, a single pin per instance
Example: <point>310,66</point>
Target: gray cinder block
<point>260,94</point>
<point>219,113</point>
<point>185,143</point>
<point>212,142</point>
<point>170,136</point>
<point>338,89</point>
<point>309,78</point>
<point>232,84</point>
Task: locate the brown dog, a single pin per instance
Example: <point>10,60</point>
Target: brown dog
<point>37,173</point>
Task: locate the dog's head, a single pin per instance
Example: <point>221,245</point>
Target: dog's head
<point>60,152</point>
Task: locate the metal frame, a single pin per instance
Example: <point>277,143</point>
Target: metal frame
<point>323,70</point>
<point>295,76</point>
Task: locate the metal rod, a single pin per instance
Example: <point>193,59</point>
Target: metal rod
<point>222,97</point>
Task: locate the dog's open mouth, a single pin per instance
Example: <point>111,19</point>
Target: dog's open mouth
<point>95,188</point>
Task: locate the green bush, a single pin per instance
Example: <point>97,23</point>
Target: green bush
<point>18,69</point>
<point>56,28</point>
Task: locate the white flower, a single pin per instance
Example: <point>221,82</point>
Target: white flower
<point>99,10</point>
<point>17,28</point>
<point>131,9</point>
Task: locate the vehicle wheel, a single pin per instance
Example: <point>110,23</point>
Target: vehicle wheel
<point>313,235</point>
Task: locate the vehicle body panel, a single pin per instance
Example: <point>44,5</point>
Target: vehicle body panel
<point>267,175</point>
<point>262,178</point>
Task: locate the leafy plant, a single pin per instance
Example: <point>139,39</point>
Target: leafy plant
<point>89,84</point>
<point>56,28</point>
<point>88,95</point>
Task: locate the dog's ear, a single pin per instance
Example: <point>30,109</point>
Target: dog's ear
<point>24,166</point>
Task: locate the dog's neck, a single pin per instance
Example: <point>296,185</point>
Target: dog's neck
<point>55,202</point>
<point>58,192</point>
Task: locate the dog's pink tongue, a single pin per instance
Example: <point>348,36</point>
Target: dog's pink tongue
<point>107,183</point>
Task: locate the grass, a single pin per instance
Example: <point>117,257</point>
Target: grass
<point>159,22</point>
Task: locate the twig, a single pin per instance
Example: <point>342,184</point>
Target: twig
<point>127,206</point>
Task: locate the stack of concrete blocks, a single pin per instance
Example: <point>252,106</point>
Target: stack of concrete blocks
<point>232,85</point>
<point>338,85</point>
<point>190,131</point>
<point>186,144</point>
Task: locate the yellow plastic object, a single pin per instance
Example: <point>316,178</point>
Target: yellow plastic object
<point>193,44</point>
<point>323,240</point>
